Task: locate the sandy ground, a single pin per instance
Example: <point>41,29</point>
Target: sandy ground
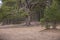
<point>29,33</point>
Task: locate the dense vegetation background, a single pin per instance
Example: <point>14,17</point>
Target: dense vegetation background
<point>44,11</point>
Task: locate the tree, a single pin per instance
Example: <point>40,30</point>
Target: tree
<point>52,14</point>
<point>22,8</point>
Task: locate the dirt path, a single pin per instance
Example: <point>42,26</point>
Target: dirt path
<point>29,33</point>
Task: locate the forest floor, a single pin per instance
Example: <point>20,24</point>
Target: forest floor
<point>28,33</point>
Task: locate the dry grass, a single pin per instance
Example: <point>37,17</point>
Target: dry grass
<point>29,33</point>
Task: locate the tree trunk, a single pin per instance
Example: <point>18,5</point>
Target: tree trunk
<point>28,20</point>
<point>47,26</point>
<point>54,25</point>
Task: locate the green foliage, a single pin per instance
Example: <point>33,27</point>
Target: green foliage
<point>53,12</point>
<point>12,7</point>
<point>9,10</point>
